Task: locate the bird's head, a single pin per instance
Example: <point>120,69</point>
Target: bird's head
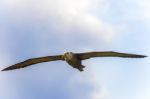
<point>67,55</point>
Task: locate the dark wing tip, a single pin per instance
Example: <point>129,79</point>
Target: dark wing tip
<point>144,56</point>
<point>5,69</point>
<point>8,68</point>
<point>16,66</point>
<point>141,56</point>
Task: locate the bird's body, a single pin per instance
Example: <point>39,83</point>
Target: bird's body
<point>73,59</point>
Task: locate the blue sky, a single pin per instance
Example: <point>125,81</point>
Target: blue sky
<point>34,28</point>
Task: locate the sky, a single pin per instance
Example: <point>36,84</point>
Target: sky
<point>35,28</point>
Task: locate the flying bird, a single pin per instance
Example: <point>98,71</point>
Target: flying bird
<point>73,59</point>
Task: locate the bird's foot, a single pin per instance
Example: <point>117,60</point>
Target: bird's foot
<point>80,69</point>
<point>82,66</point>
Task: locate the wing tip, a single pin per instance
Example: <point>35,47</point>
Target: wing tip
<point>6,69</point>
<point>141,56</point>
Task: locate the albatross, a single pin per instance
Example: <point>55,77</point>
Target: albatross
<point>73,59</point>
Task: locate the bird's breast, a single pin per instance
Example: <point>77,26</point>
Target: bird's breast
<point>73,60</point>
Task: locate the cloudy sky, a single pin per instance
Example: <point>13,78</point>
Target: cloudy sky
<point>34,28</point>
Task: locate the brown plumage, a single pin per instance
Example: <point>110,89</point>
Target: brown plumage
<point>73,59</point>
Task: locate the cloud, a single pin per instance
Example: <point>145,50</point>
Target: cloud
<point>65,16</point>
<point>82,15</point>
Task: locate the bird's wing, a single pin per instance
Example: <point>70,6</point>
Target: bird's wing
<point>33,61</point>
<point>88,55</point>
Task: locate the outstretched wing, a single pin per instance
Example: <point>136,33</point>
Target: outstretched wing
<point>33,61</point>
<point>88,55</point>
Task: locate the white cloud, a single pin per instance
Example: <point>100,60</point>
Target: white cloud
<point>82,15</point>
<point>88,77</point>
<point>79,14</point>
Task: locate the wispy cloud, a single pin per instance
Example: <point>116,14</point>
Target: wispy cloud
<point>83,16</point>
